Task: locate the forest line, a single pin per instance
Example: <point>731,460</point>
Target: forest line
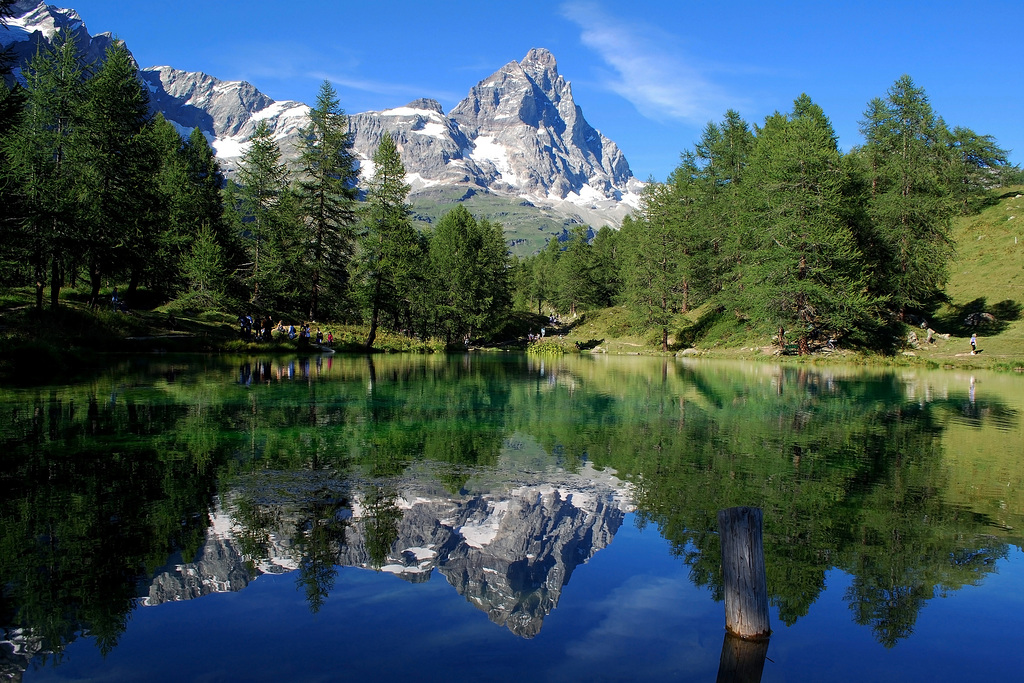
<point>770,225</point>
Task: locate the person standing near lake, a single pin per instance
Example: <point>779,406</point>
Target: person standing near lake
<point>974,343</point>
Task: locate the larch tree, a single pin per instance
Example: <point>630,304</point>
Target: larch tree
<point>121,173</point>
<point>804,272</point>
<point>721,157</point>
<point>45,151</point>
<point>327,190</point>
<point>389,249</point>
<point>469,268</point>
<point>263,180</point>
<point>12,101</point>
<point>607,250</point>
<point>909,205</point>
<point>976,165</point>
<point>193,249</point>
<point>577,289</point>
<point>652,277</point>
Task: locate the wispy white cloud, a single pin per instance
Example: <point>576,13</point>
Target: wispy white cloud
<point>382,87</point>
<point>648,67</point>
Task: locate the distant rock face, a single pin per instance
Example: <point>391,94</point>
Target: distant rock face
<point>227,112</point>
<point>34,22</point>
<point>518,133</point>
<point>431,144</point>
<point>525,126</point>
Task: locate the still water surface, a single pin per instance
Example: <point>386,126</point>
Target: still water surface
<point>504,517</point>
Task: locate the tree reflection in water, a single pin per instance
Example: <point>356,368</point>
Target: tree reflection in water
<point>110,483</point>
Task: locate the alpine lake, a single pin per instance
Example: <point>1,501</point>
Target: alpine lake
<point>500,517</point>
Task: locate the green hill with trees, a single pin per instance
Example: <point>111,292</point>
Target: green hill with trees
<point>766,238</point>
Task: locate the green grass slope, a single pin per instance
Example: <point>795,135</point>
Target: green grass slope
<point>986,277</point>
<point>527,227</point>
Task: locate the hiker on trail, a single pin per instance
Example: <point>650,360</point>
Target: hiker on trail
<point>114,300</point>
<point>974,344</point>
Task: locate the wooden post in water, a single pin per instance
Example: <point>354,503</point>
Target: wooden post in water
<point>746,590</point>
<point>742,660</point>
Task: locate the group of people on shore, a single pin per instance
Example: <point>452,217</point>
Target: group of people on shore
<point>264,330</point>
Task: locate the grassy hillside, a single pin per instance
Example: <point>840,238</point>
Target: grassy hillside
<point>987,277</point>
<point>527,227</point>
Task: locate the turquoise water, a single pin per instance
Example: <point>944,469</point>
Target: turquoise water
<point>502,517</point>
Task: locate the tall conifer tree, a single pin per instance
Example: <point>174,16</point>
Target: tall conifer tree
<point>327,193</point>
<point>121,173</point>
<point>389,248</point>
<point>263,180</point>
<point>469,267</point>
<point>804,273</point>
<point>652,275</point>
<point>909,205</point>
<point>46,154</point>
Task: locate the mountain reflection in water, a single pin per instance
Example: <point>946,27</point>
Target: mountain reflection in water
<point>508,551</point>
<point>163,480</point>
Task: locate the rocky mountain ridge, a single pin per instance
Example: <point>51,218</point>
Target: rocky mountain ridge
<point>518,135</point>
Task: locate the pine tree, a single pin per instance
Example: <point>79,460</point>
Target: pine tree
<point>263,180</point>
<point>909,206</point>
<point>45,151</point>
<point>388,272</point>
<point>327,193</point>
<point>120,173</point>
<point>469,269</point>
<point>805,270</point>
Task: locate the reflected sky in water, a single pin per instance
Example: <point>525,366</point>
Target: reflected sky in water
<point>504,518</point>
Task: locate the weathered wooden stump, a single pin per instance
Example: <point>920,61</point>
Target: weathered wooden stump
<point>742,660</point>
<point>746,590</point>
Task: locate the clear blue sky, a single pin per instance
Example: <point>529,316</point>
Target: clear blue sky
<point>648,74</point>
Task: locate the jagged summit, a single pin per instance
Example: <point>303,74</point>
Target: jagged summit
<point>533,133</point>
<point>426,104</point>
<point>33,22</point>
<point>518,134</point>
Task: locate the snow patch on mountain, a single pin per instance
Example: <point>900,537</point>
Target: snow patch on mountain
<point>519,132</point>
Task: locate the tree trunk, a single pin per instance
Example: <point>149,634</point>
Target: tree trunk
<point>373,326</point>
<point>746,590</point>
<point>94,280</point>
<point>133,285</point>
<point>314,299</point>
<point>374,315</point>
<point>40,283</point>
<point>55,282</point>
